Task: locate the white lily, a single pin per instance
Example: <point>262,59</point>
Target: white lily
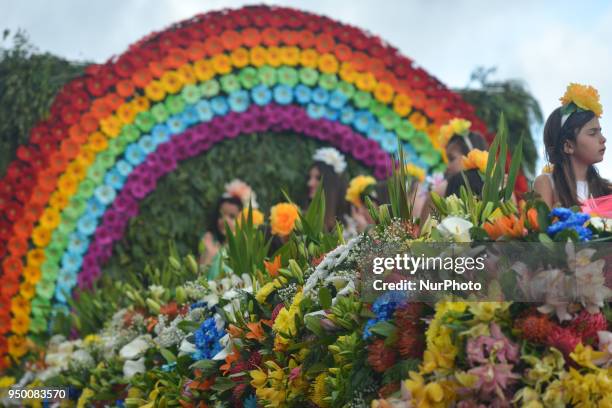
<point>136,347</point>
<point>456,228</point>
<point>133,367</point>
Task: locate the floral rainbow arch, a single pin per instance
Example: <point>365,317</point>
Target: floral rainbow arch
<point>173,95</point>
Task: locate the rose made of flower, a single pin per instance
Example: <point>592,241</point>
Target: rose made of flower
<point>283,217</point>
<point>357,188</point>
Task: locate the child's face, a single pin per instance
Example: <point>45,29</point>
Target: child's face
<point>227,214</point>
<point>590,144</point>
<point>314,178</point>
<point>454,155</point>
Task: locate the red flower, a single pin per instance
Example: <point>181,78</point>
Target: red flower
<point>586,325</point>
<point>381,357</point>
<point>123,67</point>
<point>325,43</point>
<point>411,344</point>
<point>535,327</point>
<point>271,36</point>
<point>563,339</point>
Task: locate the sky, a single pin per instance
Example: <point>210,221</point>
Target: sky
<point>547,44</point>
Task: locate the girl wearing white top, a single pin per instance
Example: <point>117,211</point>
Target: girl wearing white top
<point>574,143</point>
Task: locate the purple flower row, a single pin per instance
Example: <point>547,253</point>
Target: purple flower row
<point>194,141</point>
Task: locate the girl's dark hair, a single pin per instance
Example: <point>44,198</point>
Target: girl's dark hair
<point>334,188</point>
<point>478,142</point>
<point>457,180</point>
<point>214,216</point>
<point>563,175</point>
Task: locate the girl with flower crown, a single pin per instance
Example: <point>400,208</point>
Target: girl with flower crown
<point>228,209</point>
<point>329,168</point>
<point>359,188</point>
<point>574,143</point>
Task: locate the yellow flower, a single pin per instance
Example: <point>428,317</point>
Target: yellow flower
<point>328,64</point>
<point>36,257</point>
<point>187,74</point>
<point>283,217</point>
<point>384,92</point>
<point>6,382</point>
<point>442,308</point>
<point>440,353</point>
<point>425,395</point>
<point>455,126</point>
<point>27,290</point>
<point>17,346</point>
<point>584,96</point>
<point>155,91</point>
<point>266,289</point>
<point>415,171</point>
<point>285,322</point>
<point>366,81</point>
<point>584,356</point>
<point>486,311</point>
<point>290,55</point>
<point>348,73</point>
<point>309,58</point>
<point>20,324</point>
<point>91,339</point>
<point>356,188</point>
<point>41,236</point>
<point>66,185</point>
<point>259,378</point>
<point>86,395</point>
<point>203,70</point>
<point>476,159</point>
<point>548,168</point>
<point>172,81</point>
<point>240,57</point>
<point>111,126</point>
<point>402,104</point>
<point>319,391</point>
<point>258,217</point>
<point>258,55</point>
<point>20,306</point>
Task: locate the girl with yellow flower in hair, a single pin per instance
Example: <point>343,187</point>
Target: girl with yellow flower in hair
<point>574,143</point>
<point>359,188</point>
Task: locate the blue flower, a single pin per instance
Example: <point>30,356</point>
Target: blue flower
<point>376,132</point>
<point>205,112</point>
<point>363,121</point>
<point>283,94</point>
<point>124,168</point>
<point>315,111</point>
<point>207,340</point>
<point>331,114</point>
<point>383,308</point>
<point>105,194</point>
<point>239,101</point>
<point>65,282</point>
<point>190,115</point>
<point>114,179</point>
<point>347,115</point>
<point>197,305</point>
<point>303,94</point>
<point>87,225</point>
<point>176,124</point>
<point>570,220</point>
<point>261,94</point>
<point>169,367</point>
<point>161,134</point>
<point>95,207</point>
<point>337,99</point>
<point>219,105</point>
<point>71,262</point>
<point>147,144</point>
<point>320,95</point>
<point>389,142</point>
<point>250,401</point>
<point>134,154</point>
<point>77,243</point>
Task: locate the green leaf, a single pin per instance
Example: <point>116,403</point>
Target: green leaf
<point>325,297</point>
<point>168,355</point>
<point>383,328</point>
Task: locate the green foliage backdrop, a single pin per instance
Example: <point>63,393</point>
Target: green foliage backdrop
<point>179,208</point>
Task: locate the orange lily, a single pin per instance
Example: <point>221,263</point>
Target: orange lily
<point>256,332</point>
<point>234,331</point>
<point>233,356</point>
<point>532,217</point>
<point>274,266</point>
<point>509,226</point>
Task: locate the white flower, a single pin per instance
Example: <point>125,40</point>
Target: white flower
<point>135,348</point>
<point>331,157</point>
<point>156,291</point>
<point>601,224</point>
<point>456,228</point>
<point>242,191</point>
<point>133,367</point>
<point>187,347</point>
<point>83,358</point>
<point>605,345</point>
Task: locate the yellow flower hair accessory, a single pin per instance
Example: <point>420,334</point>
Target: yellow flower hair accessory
<point>579,98</point>
<point>548,168</point>
<point>357,187</point>
<point>455,126</point>
<point>415,171</point>
<point>476,159</point>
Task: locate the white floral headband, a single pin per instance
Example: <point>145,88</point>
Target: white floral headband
<point>331,157</point>
<point>242,191</point>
